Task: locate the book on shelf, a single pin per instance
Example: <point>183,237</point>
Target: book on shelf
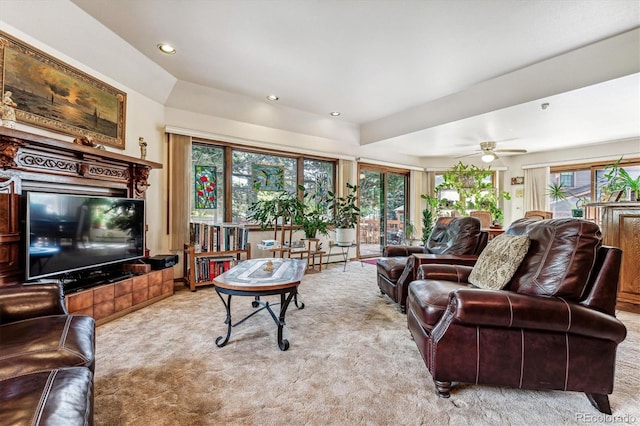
<point>210,237</point>
<point>209,267</point>
<point>204,236</point>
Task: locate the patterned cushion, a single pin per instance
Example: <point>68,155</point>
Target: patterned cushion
<point>499,261</point>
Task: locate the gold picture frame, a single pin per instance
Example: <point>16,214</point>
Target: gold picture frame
<point>54,95</point>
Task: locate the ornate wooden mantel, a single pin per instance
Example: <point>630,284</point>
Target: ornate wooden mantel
<point>34,162</point>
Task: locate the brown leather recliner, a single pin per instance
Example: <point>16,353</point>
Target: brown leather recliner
<point>47,358</point>
<point>552,327</point>
<point>451,237</point>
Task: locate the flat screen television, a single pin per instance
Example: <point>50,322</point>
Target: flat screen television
<point>67,233</point>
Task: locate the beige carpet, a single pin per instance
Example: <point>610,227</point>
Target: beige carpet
<point>351,362</point>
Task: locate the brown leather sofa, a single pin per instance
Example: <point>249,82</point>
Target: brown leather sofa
<point>552,327</point>
<point>455,240</point>
<point>47,358</point>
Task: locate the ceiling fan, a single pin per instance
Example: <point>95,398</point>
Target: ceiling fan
<point>489,151</point>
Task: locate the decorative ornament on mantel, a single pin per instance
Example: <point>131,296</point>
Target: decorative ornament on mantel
<point>8,110</point>
<point>143,148</point>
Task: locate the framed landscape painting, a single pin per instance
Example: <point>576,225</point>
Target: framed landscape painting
<point>53,95</point>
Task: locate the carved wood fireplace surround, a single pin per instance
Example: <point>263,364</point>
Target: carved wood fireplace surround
<point>34,162</point>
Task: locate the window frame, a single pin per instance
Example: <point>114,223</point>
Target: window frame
<point>229,148</point>
<point>593,167</point>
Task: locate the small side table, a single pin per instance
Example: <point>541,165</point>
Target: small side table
<point>345,254</point>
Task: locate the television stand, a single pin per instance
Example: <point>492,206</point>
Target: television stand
<point>110,300</point>
<point>93,279</point>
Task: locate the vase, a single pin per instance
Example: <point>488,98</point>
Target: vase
<point>345,236</point>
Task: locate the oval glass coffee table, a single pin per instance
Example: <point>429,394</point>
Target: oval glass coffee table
<point>257,278</point>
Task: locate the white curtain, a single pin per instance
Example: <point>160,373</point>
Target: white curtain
<point>535,189</point>
<point>346,173</point>
<point>421,183</point>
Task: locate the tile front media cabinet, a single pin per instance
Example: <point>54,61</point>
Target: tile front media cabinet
<point>110,301</point>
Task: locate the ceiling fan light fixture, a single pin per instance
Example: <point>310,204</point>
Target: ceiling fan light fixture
<point>489,157</point>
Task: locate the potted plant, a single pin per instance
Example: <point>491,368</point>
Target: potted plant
<point>284,206</point>
<point>612,181</point>
<point>409,235</point>
<point>625,181</point>
<point>346,214</point>
<point>429,216</point>
<point>557,192</point>
<point>313,218</point>
<point>578,211</point>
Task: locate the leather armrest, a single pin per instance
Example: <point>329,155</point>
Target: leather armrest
<point>399,251</point>
<point>500,308</point>
<point>18,302</point>
<point>445,272</point>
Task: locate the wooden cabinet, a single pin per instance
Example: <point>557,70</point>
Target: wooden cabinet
<point>620,224</point>
<point>109,301</point>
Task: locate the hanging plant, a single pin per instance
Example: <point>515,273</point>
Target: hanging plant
<point>473,188</point>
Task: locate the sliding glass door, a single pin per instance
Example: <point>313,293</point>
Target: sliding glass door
<point>383,202</point>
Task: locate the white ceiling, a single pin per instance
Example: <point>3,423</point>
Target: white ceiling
<point>422,77</point>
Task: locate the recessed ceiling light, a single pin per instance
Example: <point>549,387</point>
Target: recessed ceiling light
<point>334,113</point>
<point>273,97</point>
<point>167,48</point>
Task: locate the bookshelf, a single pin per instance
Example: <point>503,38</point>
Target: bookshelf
<point>213,249</point>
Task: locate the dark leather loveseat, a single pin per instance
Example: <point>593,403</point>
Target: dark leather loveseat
<point>454,240</point>
<point>552,326</point>
<point>46,358</point>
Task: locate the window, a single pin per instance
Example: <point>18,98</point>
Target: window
<point>586,183</point>
<point>242,193</point>
<point>566,179</point>
<point>577,185</point>
<point>601,194</point>
<point>213,157</point>
<point>234,180</point>
<point>453,195</point>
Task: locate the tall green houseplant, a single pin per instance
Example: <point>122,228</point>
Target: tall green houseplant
<point>314,218</point>
<point>429,216</point>
<point>284,206</point>
<point>346,214</point>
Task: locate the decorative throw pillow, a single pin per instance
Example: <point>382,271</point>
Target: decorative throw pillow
<point>499,261</point>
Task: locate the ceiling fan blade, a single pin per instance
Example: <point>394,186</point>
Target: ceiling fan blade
<point>513,151</point>
<point>468,155</point>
